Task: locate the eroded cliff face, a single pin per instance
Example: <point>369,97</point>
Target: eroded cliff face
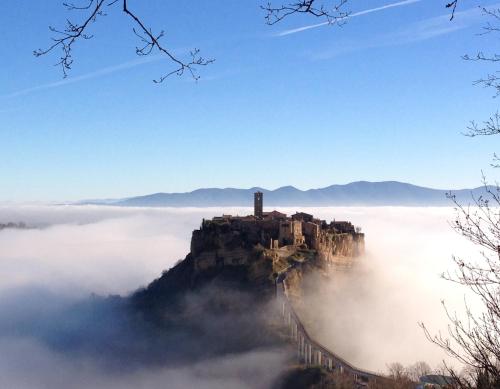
<point>231,276</point>
<point>218,246</point>
<point>339,249</point>
<point>246,256</point>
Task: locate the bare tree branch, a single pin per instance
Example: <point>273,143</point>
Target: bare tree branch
<point>453,6</point>
<point>491,126</point>
<point>474,338</point>
<point>492,80</point>
<point>73,32</point>
<point>333,14</point>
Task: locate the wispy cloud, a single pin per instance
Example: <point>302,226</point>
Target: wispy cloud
<point>95,74</point>
<point>360,13</point>
<point>415,32</point>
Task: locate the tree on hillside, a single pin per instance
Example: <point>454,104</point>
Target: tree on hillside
<point>474,339</point>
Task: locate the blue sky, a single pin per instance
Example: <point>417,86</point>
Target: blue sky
<point>384,97</point>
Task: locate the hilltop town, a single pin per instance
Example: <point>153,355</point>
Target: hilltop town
<point>238,240</point>
<point>252,251</point>
<point>265,257</point>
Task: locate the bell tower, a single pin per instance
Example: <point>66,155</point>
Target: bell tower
<point>257,204</point>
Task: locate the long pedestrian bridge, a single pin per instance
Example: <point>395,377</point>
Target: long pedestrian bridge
<point>309,351</point>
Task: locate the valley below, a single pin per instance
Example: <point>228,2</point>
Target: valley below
<point>368,314</point>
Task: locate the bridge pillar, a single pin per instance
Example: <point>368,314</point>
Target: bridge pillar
<point>298,346</point>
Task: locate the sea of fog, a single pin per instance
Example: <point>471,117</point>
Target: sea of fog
<point>370,315</point>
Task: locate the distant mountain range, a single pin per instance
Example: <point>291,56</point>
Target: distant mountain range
<point>360,193</point>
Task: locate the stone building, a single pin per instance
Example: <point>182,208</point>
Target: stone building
<point>274,215</point>
<point>290,233</point>
<point>302,216</point>
<point>258,204</point>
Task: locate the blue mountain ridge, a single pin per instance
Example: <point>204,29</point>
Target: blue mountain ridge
<point>360,193</point>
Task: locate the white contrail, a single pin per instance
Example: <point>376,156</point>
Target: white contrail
<point>367,11</point>
<point>94,74</point>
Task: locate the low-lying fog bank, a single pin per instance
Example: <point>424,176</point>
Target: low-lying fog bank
<point>370,316</point>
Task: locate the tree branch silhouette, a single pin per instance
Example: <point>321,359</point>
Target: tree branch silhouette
<point>333,14</point>
<point>73,32</point>
<point>453,6</point>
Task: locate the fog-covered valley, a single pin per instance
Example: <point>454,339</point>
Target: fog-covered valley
<point>369,315</point>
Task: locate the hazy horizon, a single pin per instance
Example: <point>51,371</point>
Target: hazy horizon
<point>59,201</point>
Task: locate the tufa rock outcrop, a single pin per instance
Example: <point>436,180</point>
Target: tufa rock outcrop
<point>250,252</point>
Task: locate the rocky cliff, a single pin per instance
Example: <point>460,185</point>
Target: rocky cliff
<point>245,253</point>
<point>221,298</point>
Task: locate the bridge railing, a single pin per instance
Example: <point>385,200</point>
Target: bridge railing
<point>309,351</point>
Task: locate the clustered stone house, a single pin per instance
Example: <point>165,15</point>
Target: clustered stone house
<point>275,229</point>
